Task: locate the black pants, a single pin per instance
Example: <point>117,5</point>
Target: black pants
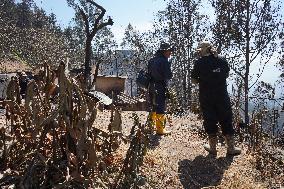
<point>216,108</point>
<point>157,98</point>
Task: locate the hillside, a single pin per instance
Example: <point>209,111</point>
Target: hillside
<point>179,160</point>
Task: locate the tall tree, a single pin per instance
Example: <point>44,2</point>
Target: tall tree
<point>248,30</point>
<point>92,15</point>
<point>7,24</point>
<point>140,42</point>
<point>34,37</point>
<point>142,45</point>
<point>104,47</point>
<point>280,65</point>
<point>25,13</point>
<point>7,10</point>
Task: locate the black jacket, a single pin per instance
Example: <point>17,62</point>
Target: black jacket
<point>211,73</point>
<point>160,68</point>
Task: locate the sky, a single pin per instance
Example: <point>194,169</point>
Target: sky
<point>140,13</point>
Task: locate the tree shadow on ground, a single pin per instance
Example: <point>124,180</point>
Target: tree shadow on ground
<point>203,171</point>
<point>154,141</point>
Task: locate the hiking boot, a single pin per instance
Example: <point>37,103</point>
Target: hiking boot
<point>153,119</point>
<point>160,125</point>
<point>211,146</point>
<point>231,148</point>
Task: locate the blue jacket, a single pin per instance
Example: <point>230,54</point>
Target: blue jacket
<point>160,68</point>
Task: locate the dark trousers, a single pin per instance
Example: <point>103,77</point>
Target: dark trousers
<point>157,98</point>
<point>216,108</point>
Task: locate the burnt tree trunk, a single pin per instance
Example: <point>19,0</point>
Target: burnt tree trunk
<point>90,34</point>
<point>88,56</point>
<point>246,82</point>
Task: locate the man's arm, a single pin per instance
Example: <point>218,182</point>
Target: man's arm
<point>225,65</point>
<point>166,67</point>
<point>195,74</point>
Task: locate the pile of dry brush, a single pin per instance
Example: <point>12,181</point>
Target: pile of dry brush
<point>49,140</point>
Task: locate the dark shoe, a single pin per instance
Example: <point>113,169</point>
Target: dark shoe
<point>231,148</point>
<point>211,146</point>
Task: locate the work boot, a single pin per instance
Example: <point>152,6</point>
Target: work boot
<point>160,125</point>
<point>211,146</point>
<point>153,119</point>
<point>231,148</point>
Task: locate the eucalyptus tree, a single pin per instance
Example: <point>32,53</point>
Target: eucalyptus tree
<point>33,37</point>
<point>248,30</point>
<point>45,46</point>
<point>7,25</point>
<point>104,48</point>
<point>263,94</point>
<point>280,65</point>
<point>140,42</point>
<point>92,15</point>
<point>142,45</point>
<point>183,25</point>
<point>7,10</point>
<point>24,13</point>
<point>41,20</point>
<point>76,43</point>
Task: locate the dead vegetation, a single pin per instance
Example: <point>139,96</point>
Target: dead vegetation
<point>49,140</point>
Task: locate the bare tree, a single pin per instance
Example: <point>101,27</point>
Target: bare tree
<point>141,44</point>
<point>92,15</point>
<point>248,30</point>
<point>280,65</point>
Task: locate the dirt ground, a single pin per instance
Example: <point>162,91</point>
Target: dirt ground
<point>179,160</point>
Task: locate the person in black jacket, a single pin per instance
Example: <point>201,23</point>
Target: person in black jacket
<point>210,71</point>
<point>23,83</point>
<point>160,70</point>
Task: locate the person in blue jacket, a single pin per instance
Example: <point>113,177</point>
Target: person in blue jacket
<point>210,71</point>
<point>159,68</point>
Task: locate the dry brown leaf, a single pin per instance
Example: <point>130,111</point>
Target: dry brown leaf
<point>72,159</point>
